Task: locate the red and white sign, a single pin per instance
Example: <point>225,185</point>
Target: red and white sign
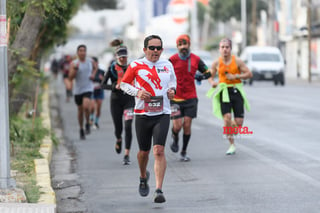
<point>3,31</point>
<point>179,9</point>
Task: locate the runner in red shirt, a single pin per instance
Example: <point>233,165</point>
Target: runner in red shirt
<point>185,102</point>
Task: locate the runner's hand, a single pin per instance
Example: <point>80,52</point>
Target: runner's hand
<point>214,84</point>
<point>171,93</point>
<point>230,76</point>
<point>142,94</point>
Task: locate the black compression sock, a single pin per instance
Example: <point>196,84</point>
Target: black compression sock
<point>175,136</point>
<point>186,139</point>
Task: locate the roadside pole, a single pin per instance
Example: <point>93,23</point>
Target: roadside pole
<point>309,39</point>
<point>244,23</point>
<point>194,25</point>
<point>5,179</point>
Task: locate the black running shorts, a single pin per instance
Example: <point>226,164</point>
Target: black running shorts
<point>187,108</point>
<point>235,104</point>
<point>79,98</point>
<point>151,127</point>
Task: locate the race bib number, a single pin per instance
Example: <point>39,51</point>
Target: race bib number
<point>175,110</point>
<point>128,114</point>
<point>154,104</point>
<point>96,85</point>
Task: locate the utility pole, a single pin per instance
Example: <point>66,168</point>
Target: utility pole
<point>253,37</point>
<point>5,181</point>
<point>244,23</point>
<point>194,26</point>
<point>309,38</point>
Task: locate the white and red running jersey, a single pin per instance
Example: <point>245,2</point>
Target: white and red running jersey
<point>155,78</point>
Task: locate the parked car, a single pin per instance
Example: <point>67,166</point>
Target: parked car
<point>205,56</point>
<point>265,63</point>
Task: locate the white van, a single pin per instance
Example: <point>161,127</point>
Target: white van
<point>265,63</point>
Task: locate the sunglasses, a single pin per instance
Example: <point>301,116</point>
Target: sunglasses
<point>155,47</point>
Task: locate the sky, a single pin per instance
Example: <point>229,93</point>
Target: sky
<point>88,20</point>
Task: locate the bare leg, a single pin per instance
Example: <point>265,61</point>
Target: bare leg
<point>98,107</point>
<point>143,158</point>
<point>239,121</point>
<point>227,123</point>
<point>80,116</point>
<point>177,125</point>
<point>86,108</point>
<point>187,125</point>
<point>160,165</point>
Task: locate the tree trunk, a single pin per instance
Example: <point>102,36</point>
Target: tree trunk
<point>253,37</point>
<point>35,51</point>
<point>24,43</point>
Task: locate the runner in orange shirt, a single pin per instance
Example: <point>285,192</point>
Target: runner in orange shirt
<point>230,95</point>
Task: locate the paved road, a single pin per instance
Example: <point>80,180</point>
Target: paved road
<point>277,169</point>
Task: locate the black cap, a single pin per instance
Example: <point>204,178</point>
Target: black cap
<point>122,51</point>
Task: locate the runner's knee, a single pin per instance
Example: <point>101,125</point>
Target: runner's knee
<point>158,150</point>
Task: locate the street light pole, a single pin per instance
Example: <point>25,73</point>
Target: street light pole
<point>309,39</point>
<point>194,25</point>
<point>5,181</point>
<point>244,23</point>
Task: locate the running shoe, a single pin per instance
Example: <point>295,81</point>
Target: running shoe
<point>126,160</point>
<point>87,128</point>
<point>96,125</point>
<point>231,150</point>
<point>184,157</point>
<point>143,186</point>
<point>174,144</point>
<point>82,135</point>
<point>158,196</point>
<point>118,146</point>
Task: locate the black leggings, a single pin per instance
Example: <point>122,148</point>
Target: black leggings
<point>118,104</point>
<point>151,126</point>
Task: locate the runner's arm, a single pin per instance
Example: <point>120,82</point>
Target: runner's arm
<point>214,71</point>
<point>245,72</point>
<point>72,71</point>
<point>125,84</point>
<point>172,84</point>
<point>129,89</point>
<point>94,70</point>
<point>206,73</point>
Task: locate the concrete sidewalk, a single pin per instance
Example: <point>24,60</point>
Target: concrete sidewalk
<point>27,208</point>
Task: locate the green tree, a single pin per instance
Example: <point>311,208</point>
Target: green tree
<point>102,4</point>
<point>35,26</point>
<point>222,10</point>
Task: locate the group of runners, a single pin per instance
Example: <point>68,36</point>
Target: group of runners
<point>152,91</point>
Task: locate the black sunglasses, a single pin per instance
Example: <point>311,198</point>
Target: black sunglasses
<point>155,47</point>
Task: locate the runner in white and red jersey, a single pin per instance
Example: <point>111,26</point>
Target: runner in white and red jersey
<point>154,87</point>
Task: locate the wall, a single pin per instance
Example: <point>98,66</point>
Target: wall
<point>297,54</point>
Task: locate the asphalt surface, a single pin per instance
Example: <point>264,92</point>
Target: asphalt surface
<point>276,169</point>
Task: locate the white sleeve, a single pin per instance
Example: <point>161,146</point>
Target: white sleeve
<point>129,89</point>
<point>173,79</point>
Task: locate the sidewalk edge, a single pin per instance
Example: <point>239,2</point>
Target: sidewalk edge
<point>42,169</point>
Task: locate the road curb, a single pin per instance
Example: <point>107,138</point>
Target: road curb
<point>42,170</point>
